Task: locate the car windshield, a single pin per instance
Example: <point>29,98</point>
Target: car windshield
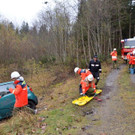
<point>4,87</point>
<point>129,44</point>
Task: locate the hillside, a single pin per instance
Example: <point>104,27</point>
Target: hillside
<point>57,115</point>
<point>45,54</point>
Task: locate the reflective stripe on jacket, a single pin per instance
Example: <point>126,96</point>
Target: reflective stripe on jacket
<point>84,73</point>
<point>114,55</point>
<point>129,57</point>
<point>86,86</point>
<point>132,60</point>
<point>95,66</point>
<point>21,93</point>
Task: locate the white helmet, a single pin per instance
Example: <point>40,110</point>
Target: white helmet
<point>15,74</point>
<point>90,77</point>
<point>134,52</point>
<point>114,49</point>
<point>76,69</point>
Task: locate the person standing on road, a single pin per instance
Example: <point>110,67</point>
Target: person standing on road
<point>129,60</point>
<point>114,58</point>
<point>20,92</point>
<point>132,58</point>
<point>95,68</point>
<point>87,81</point>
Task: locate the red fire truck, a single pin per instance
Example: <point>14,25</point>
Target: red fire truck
<point>128,45</point>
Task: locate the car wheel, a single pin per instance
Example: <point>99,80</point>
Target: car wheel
<point>31,104</point>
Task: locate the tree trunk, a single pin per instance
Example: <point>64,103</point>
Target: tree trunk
<point>83,46</point>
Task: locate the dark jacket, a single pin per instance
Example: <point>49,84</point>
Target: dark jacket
<point>95,66</point>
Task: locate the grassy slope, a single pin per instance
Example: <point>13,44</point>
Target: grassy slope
<point>56,89</point>
<point>127,95</point>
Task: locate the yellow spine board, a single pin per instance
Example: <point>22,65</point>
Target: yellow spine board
<point>84,99</point>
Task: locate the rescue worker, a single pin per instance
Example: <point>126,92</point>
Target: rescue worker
<point>129,56</point>
<point>84,85</point>
<point>95,68</point>
<point>20,92</point>
<point>88,86</point>
<point>133,59</point>
<point>114,58</point>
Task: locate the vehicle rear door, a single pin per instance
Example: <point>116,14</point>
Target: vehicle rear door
<point>7,101</point>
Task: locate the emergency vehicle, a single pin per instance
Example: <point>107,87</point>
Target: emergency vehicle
<point>128,45</point>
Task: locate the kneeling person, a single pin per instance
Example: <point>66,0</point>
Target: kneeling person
<point>83,73</point>
<point>88,86</point>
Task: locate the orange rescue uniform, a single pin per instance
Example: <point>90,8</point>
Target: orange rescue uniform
<point>132,60</point>
<point>85,85</point>
<point>129,57</point>
<point>20,93</point>
<point>114,55</point>
<point>83,73</point>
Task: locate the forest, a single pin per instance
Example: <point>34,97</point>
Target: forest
<point>47,52</point>
<point>97,28</point>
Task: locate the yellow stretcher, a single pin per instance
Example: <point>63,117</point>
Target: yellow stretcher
<point>84,99</point>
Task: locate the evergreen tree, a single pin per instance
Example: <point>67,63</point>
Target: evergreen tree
<point>24,27</point>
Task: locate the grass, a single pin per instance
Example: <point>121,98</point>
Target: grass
<point>127,90</point>
<point>18,124</point>
<point>55,87</point>
<point>127,95</point>
<point>62,119</point>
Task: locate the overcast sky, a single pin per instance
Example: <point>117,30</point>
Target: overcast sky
<point>18,11</point>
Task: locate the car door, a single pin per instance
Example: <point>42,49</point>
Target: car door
<point>7,100</point>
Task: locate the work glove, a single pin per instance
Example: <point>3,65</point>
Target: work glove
<point>95,94</point>
<point>81,94</point>
<point>7,88</point>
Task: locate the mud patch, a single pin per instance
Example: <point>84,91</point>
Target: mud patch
<point>85,128</point>
<point>88,112</point>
